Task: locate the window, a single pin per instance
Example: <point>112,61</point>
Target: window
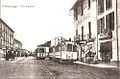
<point>106,50</point>
<point>76,31</point>
<point>108,4</point>
<point>51,50</point>
<point>41,50</point>
<point>57,48</point>
<point>82,9</point>
<point>100,24</point>
<point>100,6</point>
<point>89,3</point>
<point>110,21</point>
<point>64,48</point>
<point>76,15</point>
<point>89,26</point>
<point>82,30</point>
<point>74,48</point>
<point>69,47</point>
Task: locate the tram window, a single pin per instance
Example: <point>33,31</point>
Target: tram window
<point>69,47</point>
<point>63,47</point>
<point>50,49</point>
<point>53,49</point>
<point>57,48</point>
<point>74,48</point>
<point>41,50</point>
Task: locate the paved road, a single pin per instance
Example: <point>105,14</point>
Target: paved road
<point>82,71</point>
<point>29,68</point>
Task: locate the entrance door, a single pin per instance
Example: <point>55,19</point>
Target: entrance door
<point>106,51</point>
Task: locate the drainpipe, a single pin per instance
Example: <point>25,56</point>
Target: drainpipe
<point>117,32</point>
<point>97,28</point>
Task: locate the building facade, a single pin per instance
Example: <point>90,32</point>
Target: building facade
<point>106,24</point>
<point>96,28</point>
<point>85,20</point>
<point>6,36</point>
<point>17,47</point>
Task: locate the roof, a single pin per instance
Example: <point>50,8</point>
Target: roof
<point>78,2</point>
<point>47,44</point>
<point>17,41</point>
<point>6,25</point>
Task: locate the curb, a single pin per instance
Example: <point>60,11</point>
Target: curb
<point>95,65</point>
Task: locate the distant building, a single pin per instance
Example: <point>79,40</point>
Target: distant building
<point>25,52</point>
<point>17,47</point>
<point>57,40</point>
<point>6,36</point>
<point>17,44</point>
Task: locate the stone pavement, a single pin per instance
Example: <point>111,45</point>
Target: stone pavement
<point>96,65</point>
<point>16,59</point>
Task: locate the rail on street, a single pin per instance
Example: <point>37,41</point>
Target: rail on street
<point>31,68</point>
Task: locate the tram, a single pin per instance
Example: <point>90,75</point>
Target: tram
<point>64,51</point>
<point>41,52</point>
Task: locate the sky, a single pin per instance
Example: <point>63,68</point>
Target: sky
<point>38,21</point>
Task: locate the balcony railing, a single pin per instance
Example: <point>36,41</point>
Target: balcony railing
<point>77,38</point>
<point>106,35</point>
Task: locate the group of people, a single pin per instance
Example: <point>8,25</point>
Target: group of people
<point>10,54</point>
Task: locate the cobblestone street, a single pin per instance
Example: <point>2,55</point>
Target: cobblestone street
<point>30,68</point>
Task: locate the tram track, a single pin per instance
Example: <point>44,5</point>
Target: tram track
<point>77,74</point>
<point>47,73</point>
<point>75,71</point>
<point>68,71</point>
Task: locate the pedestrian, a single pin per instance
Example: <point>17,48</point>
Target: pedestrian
<point>26,55</point>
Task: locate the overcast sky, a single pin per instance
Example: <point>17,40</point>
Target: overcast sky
<point>37,21</point>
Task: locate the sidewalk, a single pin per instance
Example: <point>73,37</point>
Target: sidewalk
<point>2,59</point>
<point>17,59</point>
<point>96,65</point>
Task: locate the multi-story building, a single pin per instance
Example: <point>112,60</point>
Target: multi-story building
<point>6,36</point>
<point>107,37</point>
<point>17,44</point>
<point>85,21</point>
<point>17,47</point>
<point>96,28</point>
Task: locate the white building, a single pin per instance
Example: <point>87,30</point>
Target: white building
<point>96,28</point>
<point>85,21</point>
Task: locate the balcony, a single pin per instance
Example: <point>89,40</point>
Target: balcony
<point>77,39</point>
<point>104,36</point>
<point>90,39</point>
